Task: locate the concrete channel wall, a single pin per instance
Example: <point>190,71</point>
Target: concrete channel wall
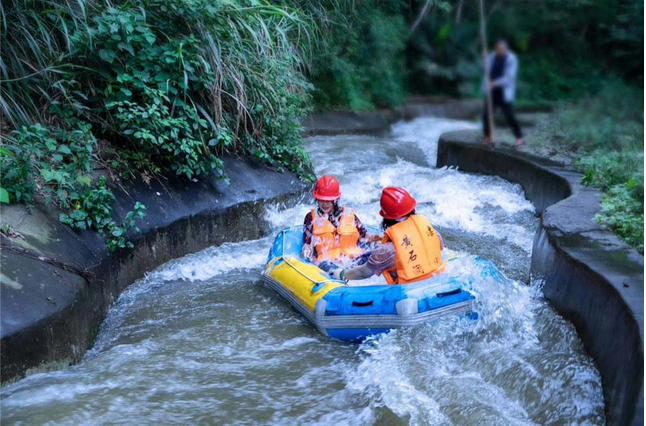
<point>57,283</point>
<point>590,276</point>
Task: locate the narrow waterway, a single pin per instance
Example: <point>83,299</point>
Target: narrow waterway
<point>201,340</point>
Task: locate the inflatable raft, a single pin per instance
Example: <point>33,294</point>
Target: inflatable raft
<point>353,312</point>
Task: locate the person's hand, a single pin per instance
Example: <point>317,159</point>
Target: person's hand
<point>307,252</point>
<point>375,237</point>
<point>339,274</point>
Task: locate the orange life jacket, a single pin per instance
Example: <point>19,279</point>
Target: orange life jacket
<point>418,253</point>
<point>330,242</point>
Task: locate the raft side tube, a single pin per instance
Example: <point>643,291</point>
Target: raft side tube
<point>352,313</point>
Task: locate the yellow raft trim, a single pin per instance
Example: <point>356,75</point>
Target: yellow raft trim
<point>300,279</point>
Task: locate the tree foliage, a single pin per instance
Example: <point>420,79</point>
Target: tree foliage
<point>566,48</point>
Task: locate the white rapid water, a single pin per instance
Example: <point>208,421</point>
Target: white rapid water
<point>200,340</point>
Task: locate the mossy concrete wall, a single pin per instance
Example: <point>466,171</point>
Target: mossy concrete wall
<point>57,283</point>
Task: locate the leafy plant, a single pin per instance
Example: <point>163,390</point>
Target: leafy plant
<point>16,172</point>
<point>56,161</point>
<point>57,164</point>
<point>116,234</point>
<point>606,144</point>
<point>173,139</point>
<point>621,176</point>
<point>624,214</point>
<point>94,209</point>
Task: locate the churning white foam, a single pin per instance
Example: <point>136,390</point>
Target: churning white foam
<point>213,261</point>
<point>426,131</point>
<point>494,370</point>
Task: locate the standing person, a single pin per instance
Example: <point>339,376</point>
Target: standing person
<point>331,231</point>
<point>500,84</point>
<point>411,249</point>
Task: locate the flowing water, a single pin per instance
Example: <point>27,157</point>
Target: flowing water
<point>202,341</point>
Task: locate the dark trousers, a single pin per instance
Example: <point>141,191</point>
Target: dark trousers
<point>499,101</point>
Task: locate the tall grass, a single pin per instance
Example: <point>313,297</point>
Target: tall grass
<point>38,38</point>
<point>243,46</point>
<point>41,58</point>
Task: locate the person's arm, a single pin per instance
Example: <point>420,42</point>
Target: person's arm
<point>508,77</point>
<point>306,252</point>
<point>359,273</point>
<point>381,258</point>
<point>371,238</point>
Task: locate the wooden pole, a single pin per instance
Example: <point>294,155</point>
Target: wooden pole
<point>458,14</point>
<point>483,40</point>
<point>421,15</point>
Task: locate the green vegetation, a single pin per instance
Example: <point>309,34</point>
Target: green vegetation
<point>57,164</point>
<point>604,135</point>
<point>359,59</point>
<point>151,88</point>
<point>567,49</point>
<point>53,159</point>
<point>94,210</point>
<point>178,83</point>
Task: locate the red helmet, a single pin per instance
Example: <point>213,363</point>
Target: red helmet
<point>327,188</point>
<point>396,202</point>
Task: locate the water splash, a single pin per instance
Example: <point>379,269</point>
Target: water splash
<point>425,132</point>
<point>507,367</point>
<point>201,340</point>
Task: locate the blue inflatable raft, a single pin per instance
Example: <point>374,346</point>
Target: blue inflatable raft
<point>353,312</point>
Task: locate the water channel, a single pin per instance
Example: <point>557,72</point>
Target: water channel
<point>201,340</point>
